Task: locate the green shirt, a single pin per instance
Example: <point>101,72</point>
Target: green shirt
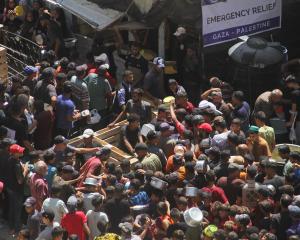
<point>99,88</point>
<point>269,135</point>
<point>151,162</point>
<point>288,168</point>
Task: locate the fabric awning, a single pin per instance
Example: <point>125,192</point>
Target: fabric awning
<point>89,12</point>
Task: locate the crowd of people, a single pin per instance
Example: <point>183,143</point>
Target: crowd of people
<point>203,166</point>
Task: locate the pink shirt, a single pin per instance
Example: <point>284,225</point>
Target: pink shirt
<point>39,189</point>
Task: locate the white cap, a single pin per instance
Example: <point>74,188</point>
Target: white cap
<point>200,165</point>
<point>158,61</point>
<point>180,31</point>
<point>87,133</point>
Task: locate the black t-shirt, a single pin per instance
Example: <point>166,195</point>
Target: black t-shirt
<point>44,91</point>
<point>199,181</point>
<point>139,63</point>
<point>131,135</point>
<point>276,181</point>
<point>14,170</point>
<point>296,100</point>
<point>116,209</point>
<point>17,130</point>
<point>280,222</point>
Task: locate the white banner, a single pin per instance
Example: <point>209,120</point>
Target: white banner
<point>226,20</point>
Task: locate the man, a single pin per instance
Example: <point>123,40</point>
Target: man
<point>14,183</point>
<point>80,93</point>
<point>266,101</point>
<point>123,95</point>
<point>152,143</point>
<point>65,112</point>
<point>217,100</point>
<point>265,131</point>
<point>240,109</point>
<point>281,221</point>
<point>38,185</point>
<point>271,176</point>
<point>181,100</point>
<point>136,105</point>
<point>149,161</point>
<point>130,134</point>
<point>117,207</point>
<point>294,84</point>
<point>92,167</point>
<point>33,219</point>
<point>54,35</point>
<point>17,129</point>
<point>75,222</point>
<point>136,63</point>
<point>175,87</point>
<point>127,231</point>
<point>62,148</point>
<point>88,141</point>
<point>154,81</point>
<point>166,142</point>
<point>160,117</point>
<point>100,93</point>
<point>30,80</point>
<point>45,87</point>
<point>257,145</point>
<point>55,204</point>
<point>57,233</point>
<point>250,189</point>
<point>47,220</point>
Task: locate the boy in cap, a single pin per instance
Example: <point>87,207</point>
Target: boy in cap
<point>30,79</point>
<point>16,174</point>
<point>154,81</point>
<point>175,87</point>
<point>33,219</point>
<point>257,145</point>
<point>75,222</point>
<point>47,220</point>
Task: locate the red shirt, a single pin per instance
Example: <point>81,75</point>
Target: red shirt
<point>89,167</point>
<point>217,194</point>
<point>39,189</point>
<point>73,223</point>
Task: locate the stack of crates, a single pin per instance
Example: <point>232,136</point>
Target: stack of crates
<point>3,66</point>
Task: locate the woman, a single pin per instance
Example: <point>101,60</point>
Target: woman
<point>10,6</point>
<point>28,26</point>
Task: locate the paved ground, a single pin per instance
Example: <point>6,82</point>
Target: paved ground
<point>4,231</point>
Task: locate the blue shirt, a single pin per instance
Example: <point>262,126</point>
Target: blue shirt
<point>50,175</point>
<point>64,108</point>
<point>139,199</point>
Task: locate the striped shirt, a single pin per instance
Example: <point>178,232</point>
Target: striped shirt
<point>80,94</point>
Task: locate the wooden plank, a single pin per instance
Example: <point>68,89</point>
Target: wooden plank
<point>103,130</point>
<point>113,139</point>
<point>109,133</point>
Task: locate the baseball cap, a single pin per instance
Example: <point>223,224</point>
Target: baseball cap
<point>72,201</point>
<point>104,151</point>
<point>88,133</point>
<point>30,202</point>
<point>158,61</point>
<point>104,67</point>
<point>165,126</point>
<point>172,80</point>
<point>179,31</point>
<point>234,167</point>
<point>126,227</point>
<point>60,139</point>
<point>69,169</point>
<point>291,78</point>
<point>179,150</point>
<point>213,150</point>
<point>210,230</point>
<point>200,165</point>
<point>48,73</point>
<point>283,149</point>
<point>102,58</point>
<point>294,211</point>
<point>30,70</point>
<point>253,129</point>
<point>81,68</point>
<point>48,213</point>
<point>152,135</point>
<point>15,148</point>
<point>198,119</point>
<point>206,127</point>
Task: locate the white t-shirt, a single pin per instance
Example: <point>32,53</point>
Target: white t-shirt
<point>87,200</point>
<point>92,220</point>
<point>57,206</point>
